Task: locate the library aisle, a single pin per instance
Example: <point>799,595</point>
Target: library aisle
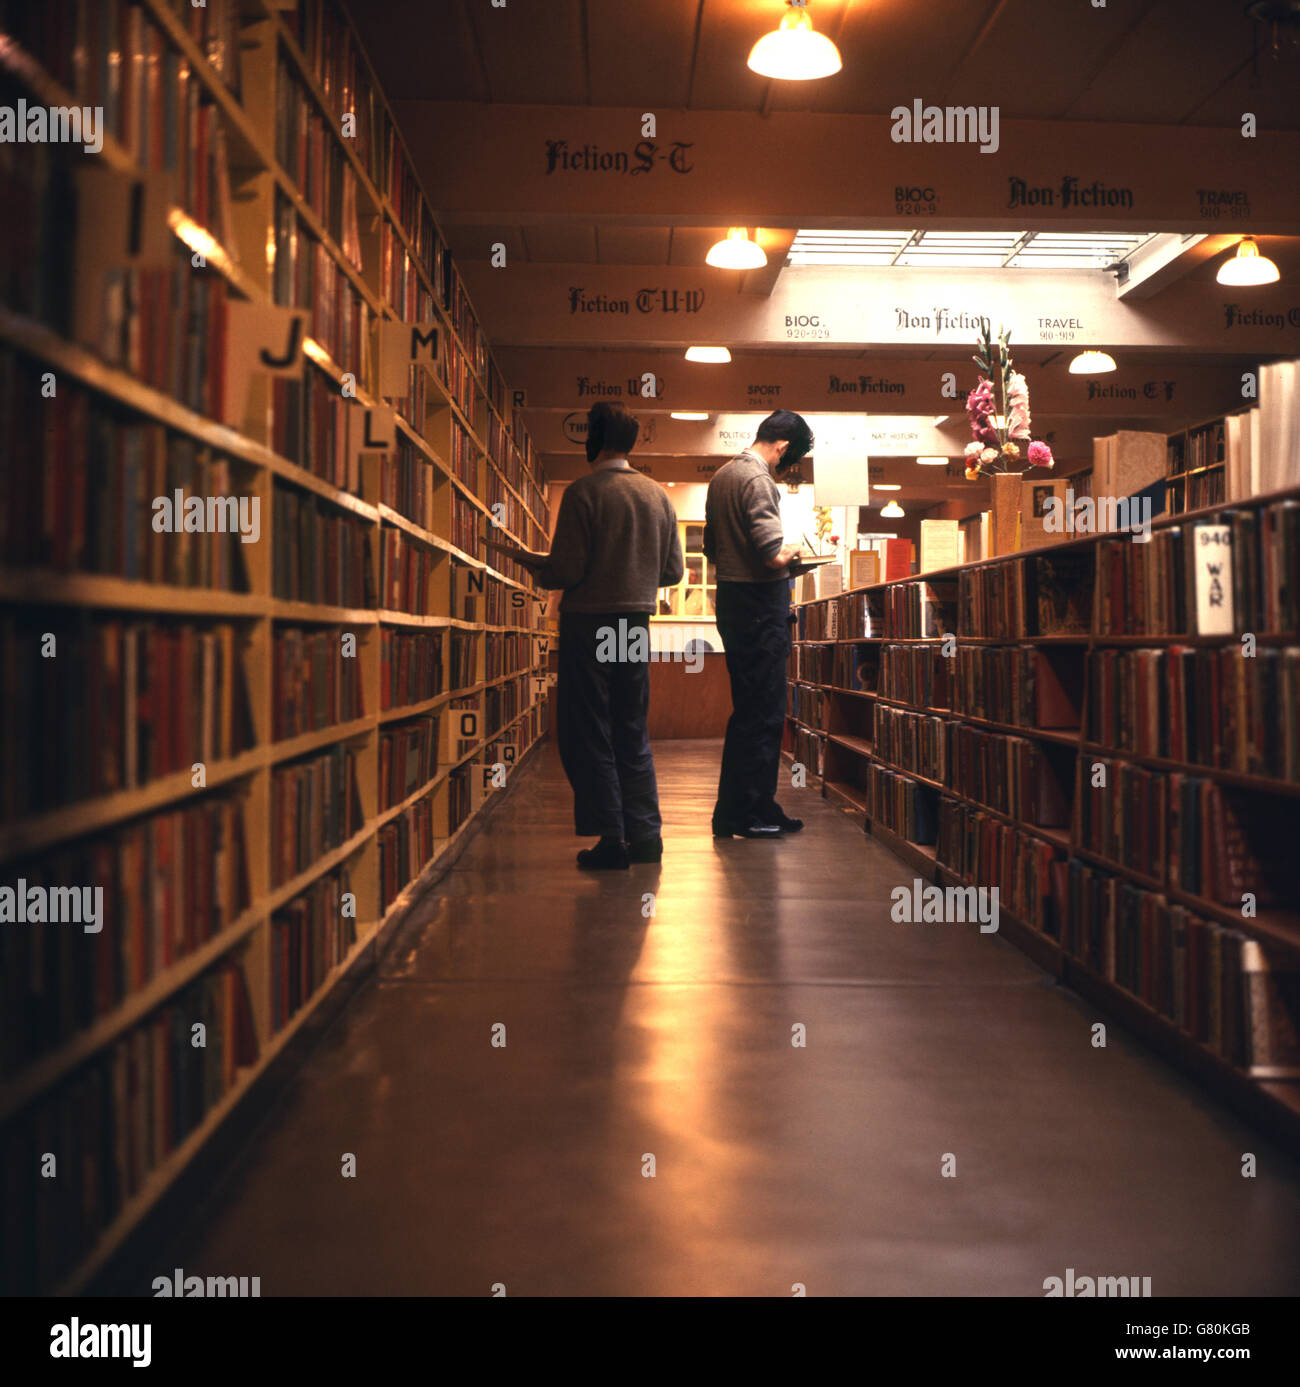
<point>631,1035</point>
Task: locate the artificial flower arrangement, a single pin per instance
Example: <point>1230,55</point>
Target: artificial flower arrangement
<point>999,449</point>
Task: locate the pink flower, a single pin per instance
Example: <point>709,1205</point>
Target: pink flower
<point>1040,455</point>
<point>1018,406</point>
<point>989,455</point>
<point>974,449</point>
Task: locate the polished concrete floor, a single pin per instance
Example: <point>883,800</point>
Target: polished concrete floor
<point>633,1035</point>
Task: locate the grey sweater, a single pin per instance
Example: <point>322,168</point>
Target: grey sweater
<point>742,522</point>
<point>615,544</point>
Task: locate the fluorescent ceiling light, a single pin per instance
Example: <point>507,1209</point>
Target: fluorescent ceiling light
<point>932,462</point>
<point>714,355</point>
<point>736,252</point>
<point>1247,267</point>
<point>886,486</point>
<point>687,414</point>
<point>1043,250</point>
<point>794,52</point>
<point>1092,364</point>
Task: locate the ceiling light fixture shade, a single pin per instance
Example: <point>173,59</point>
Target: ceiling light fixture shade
<point>893,511</point>
<point>688,414</point>
<point>932,462</point>
<point>1092,364</point>
<point>1247,267</point>
<point>736,252</point>
<point>715,356</point>
<point>795,52</point>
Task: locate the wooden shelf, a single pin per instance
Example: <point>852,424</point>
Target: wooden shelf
<point>1264,784</point>
<point>258,178</point>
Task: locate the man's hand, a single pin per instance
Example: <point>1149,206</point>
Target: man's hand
<point>516,551</point>
<point>785,556</point>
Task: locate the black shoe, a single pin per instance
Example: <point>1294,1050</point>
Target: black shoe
<point>610,854</point>
<point>646,850</point>
<point>789,825</point>
<point>755,830</point>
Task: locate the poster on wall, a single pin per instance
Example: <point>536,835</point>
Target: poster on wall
<point>840,460</point>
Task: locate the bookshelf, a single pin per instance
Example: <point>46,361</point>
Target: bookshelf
<point>1196,466</point>
<point>980,767</point>
<point>262,751</point>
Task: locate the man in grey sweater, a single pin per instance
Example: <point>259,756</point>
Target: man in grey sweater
<point>744,540</point>
<point>615,546</point>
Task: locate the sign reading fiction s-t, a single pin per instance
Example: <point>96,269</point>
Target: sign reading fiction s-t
<point>646,156</point>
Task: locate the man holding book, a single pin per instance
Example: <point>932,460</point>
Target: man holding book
<point>744,540</point>
<point>615,546</point>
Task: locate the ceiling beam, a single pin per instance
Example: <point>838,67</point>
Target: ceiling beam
<point>1164,259</point>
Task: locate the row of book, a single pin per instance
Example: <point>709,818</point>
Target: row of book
<point>917,674</point>
<point>214,27</point>
<point>1229,576</point>
<point>410,666</point>
<point>507,655</point>
<point>166,325</point>
<point>169,884</point>
<point>316,427</point>
<point>914,742</point>
<point>987,852</point>
<point>319,553</point>
<point>1018,776</point>
<point>465,525</point>
<point>1218,985</point>
<point>306,275</point>
<point>405,846</point>
<point>315,807</point>
<point>459,795</point>
<point>1123,814</point>
<point>1213,706</point>
<point>1205,446</point>
<point>89,487</point>
<point>1197,491</point>
<point>463,456</point>
<point>503,703</point>
<point>115,60</point>
<point>316,682</point>
<point>95,705</point>
<point>310,153</point>
<point>508,512</point>
<point>1226,845</point>
<point>403,287</point>
<point>310,936</point>
<point>462,659</point>
<point>407,481</point>
<point>406,571</point>
<point>408,758</point>
<point>325,40</point>
<point>806,705</point>
<point>457,372</point>
<point>810,751</point>
<point>114,1123</point>
<point>1019,684</point>
<point>902,805</point>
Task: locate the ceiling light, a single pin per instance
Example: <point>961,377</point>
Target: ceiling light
<point>737,252</point>
<point>688,415</point>
<point>714,355</point>
<point>932,462</point>
<point>886,486</point>
<point>794,52</point>
<point>1092,364</point>
<point>1247,267</point>
<point>893,511</point>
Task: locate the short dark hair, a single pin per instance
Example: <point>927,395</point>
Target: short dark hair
<point>785,425</point>
<point>617,428</point>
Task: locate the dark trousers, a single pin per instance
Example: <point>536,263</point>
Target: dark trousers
<point>754,623</point>
<point>601,726</point>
